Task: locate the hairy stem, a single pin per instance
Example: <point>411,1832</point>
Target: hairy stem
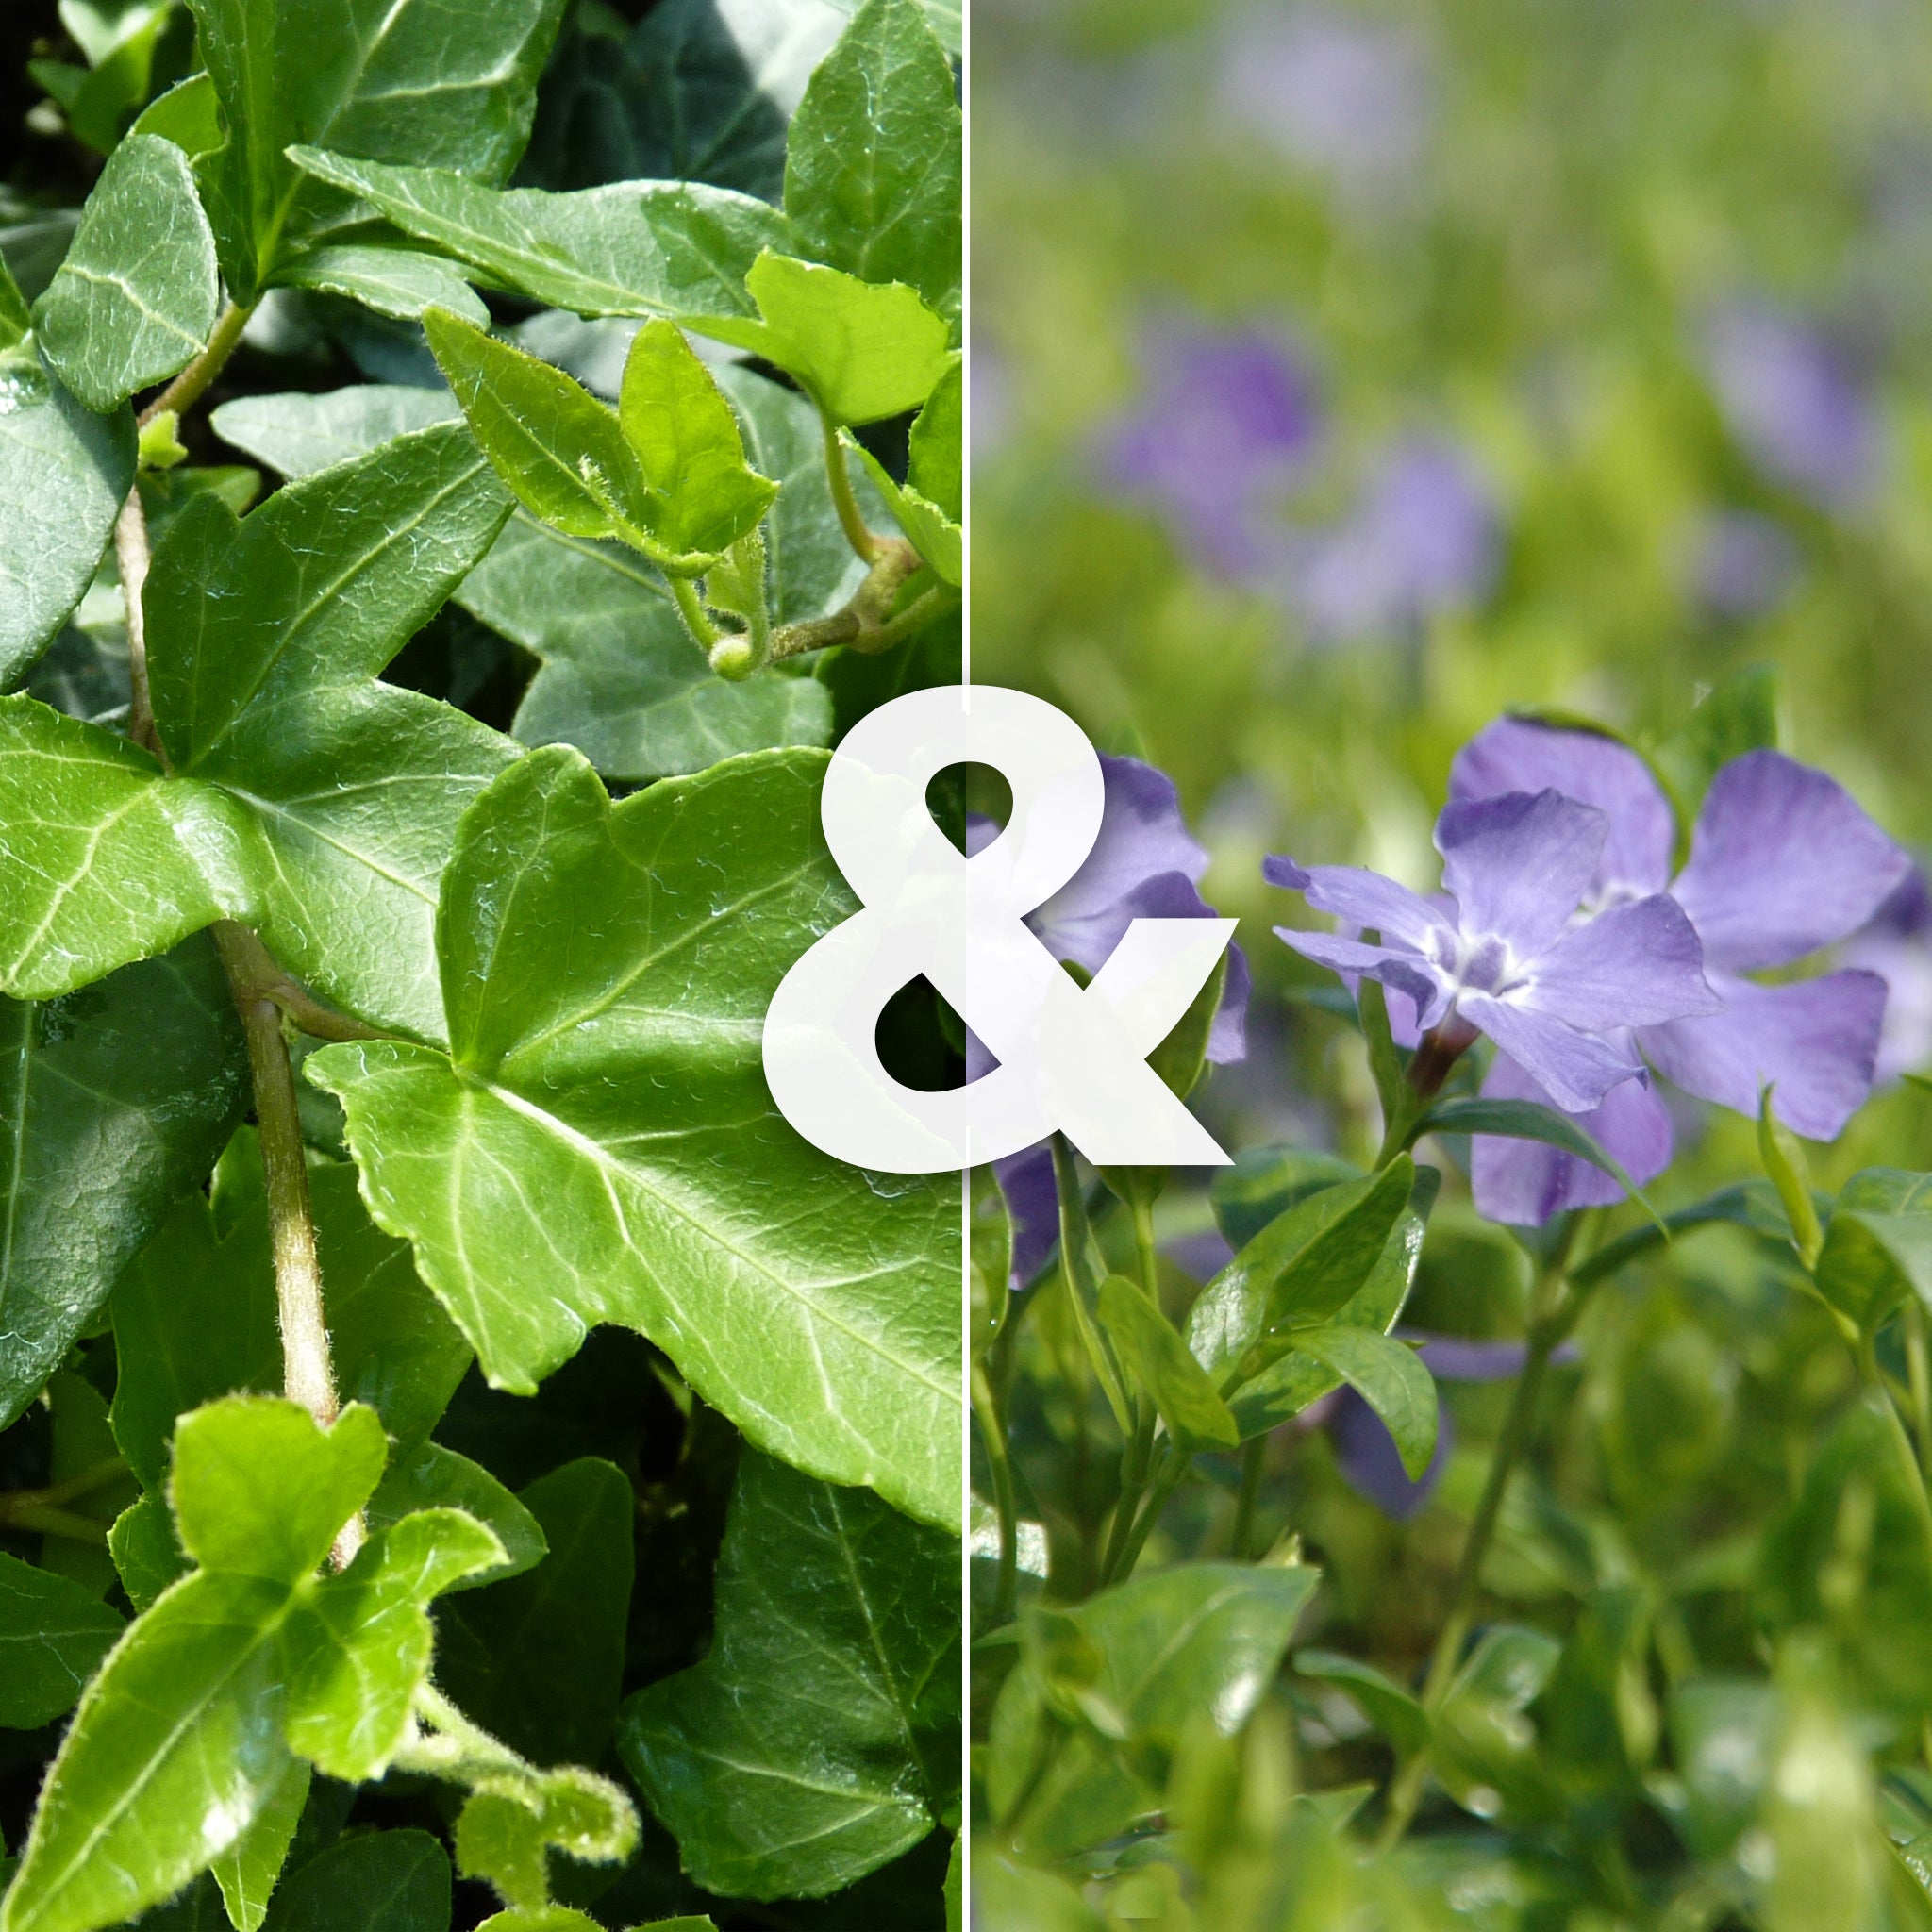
<point>690,606</point>
<point>851,519</point>
<point>993,1434</point>
<point>132,554</point>
<point>186,389</point>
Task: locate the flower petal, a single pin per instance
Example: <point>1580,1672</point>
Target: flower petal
<point>1524,1182</point>
<point>1033,1205</point>
<point>1363,898</point>
<point>1575,1069</point>
<point>1405,973</point>
<point>1783,861</point>
<point>1367,1455</point>
<point>1636,964</point>
<point>1815,1042</point>
<point>1141,836</point>
<point>1519,865</point>
<point>1516,755</point>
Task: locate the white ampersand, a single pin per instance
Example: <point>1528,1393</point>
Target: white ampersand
<point>1068,1059</point>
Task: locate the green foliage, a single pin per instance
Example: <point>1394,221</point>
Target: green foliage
<point>53,1634</point>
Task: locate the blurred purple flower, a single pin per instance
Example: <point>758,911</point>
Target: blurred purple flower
<point>1505,956</point>
<point>1423,539</point>
<point>1144,865</point>
<point>1897,945</point>
<point>1744,563</point>
<point>1228,422</point>
<point>1783,863</point>
<point>1793,402</point>
<point>1335,92</point>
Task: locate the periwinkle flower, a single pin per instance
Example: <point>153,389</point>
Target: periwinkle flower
<point>1897,945</point>
<point>1423,539</point>
<point>1783,864</point>
<point>1144,865</point>
<point>1228,422</point>
<point>1794,403</point>
<point>1505,955</point>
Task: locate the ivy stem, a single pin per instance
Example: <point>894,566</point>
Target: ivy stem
<point>186,389</point>
<point>132,555</point>
<point>994,1434</point>
<point>851,519</point>
<point>690,606</point>
<point>1552,1315</point>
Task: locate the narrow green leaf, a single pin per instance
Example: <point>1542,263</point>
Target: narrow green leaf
<point>1390,1377</point>
<point>53,1635</point>
<point>685,439</point>
<point>872,174</point>
<point>936,536</point>
<point>989,1250</point>
<point>137,296</point>
<point>1526,1120</point>
<point>375,1881</point>
<point>402,282</point>
<point>64,474</point>
<point>1157,1358</point>
<point>539,1199</point>
<point>864,350</point>
<point>142,1074</point>
<point>539,1661</point>
<point>248,1870</point>
<point>1392,1710</point>
<point>820,1738</point>
<point>629,249</point>
<point>433,1477</point>
<point>1752,1205</point>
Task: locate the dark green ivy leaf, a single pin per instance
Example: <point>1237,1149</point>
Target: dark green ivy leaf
<point>820,1739</point>
<point>53,1632</point>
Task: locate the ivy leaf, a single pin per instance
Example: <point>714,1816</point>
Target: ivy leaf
<point>299,433</point>
<point>819,1739</point>
<point>539,1661</point>
<point>864,350</point>
<point>873,175</point>
<point>936,447</point>
<point>375,1881</point>
<point>936,537</point>
<point>401,282</point>
<point>946,16</point>
<point>137,296</point>
<point>64,474</point>
<point>432,1477</point>
<point>53,1634</point>
<point>266,637</point>
<point>627,248</point>
<point>247,1871</point>
<point>387,81</point>
<point>1391,1379</point>
<point>15,318</point>
<point>1157,1358</point>
<point>146,1555</point>
<point>140,1075</point>
<point>563,1167</point>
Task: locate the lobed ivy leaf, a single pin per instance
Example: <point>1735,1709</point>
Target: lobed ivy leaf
<point>1157,1358</point>
<point>53,1634</point>
<point>863,350</point>
<point>64,474</point>
<point>432,1477</point>
<point>820,1738</point>
<point>1391,1378</point>
<point>577,1157</point>
<point>401,282</point>
<point>389,79</point>
<point>140,1075</point>
<point>183,1740</point>
<point>873,170</point>
<point>136,299</point>
<point>627,248</point>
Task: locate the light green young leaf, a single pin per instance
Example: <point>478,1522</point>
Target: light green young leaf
<point>629,249</point>
<point>1157,1358</point>
<point>64,474</point>
<point>265,639</point>
<point>864,350</point>
<point>374,1881</point>
<point>1391,1378</point>
<point>402,282</point>
<point>502,1843</point>
<point>819,1739</point>
<point>189,114</point>
<point>936,537</point>
<point>248,1870</point>
<point>872,174</point>
<point>946,18</point>
<point>540,1199</point>
<point>137,296</point>
<point>146,1555</point>
<point>392,79</point>
<point>556,448</point>
<point>539,1661</point>
<point>935,449</point>
<point>432,1477</point>
<point>105,860</point>
<point>686,441</point>
<point>142,1072</point>
<point>53,1634</point>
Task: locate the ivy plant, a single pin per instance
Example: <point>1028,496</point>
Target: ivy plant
<point>463,1456</point>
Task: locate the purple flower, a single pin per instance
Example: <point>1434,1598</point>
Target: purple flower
<point>1228,423</point>
<point>1744,565</point>
<point>1422,541</point>
<point>1144,865</point>
<point>1793,403</point>
<point>1505,956</point>
<point>1897,945</point>
<point>1783,863</point>
<point>1332,92</point>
